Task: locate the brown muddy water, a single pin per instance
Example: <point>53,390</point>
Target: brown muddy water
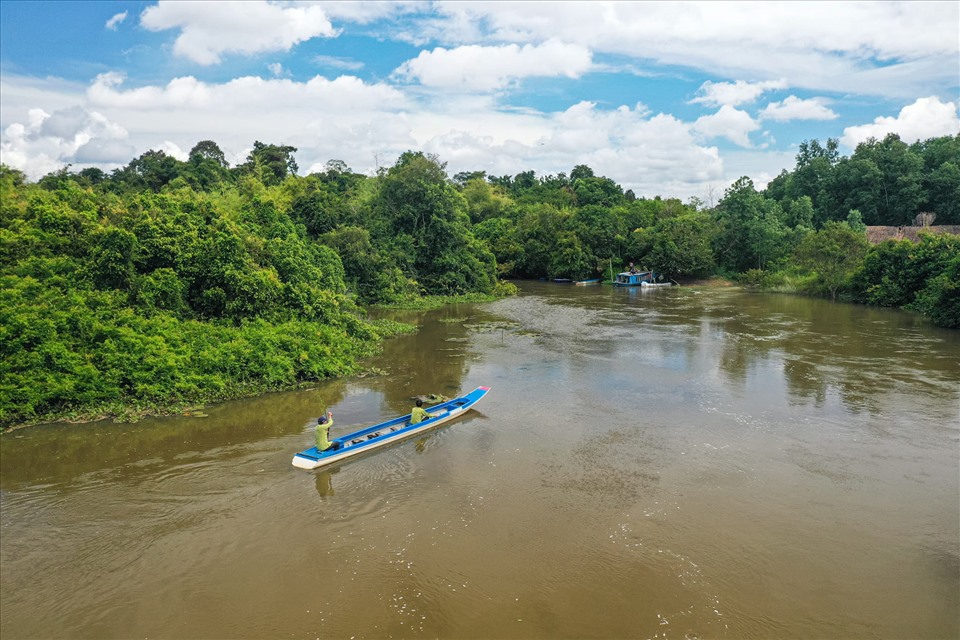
<point>678,463</point>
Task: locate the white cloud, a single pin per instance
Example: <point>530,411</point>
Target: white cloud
<point>173,149</point>
<point>364,125</point>
<point>484,68</point>
<point>734,94</point>
<point>366,11</point>
<point>49,141</point>
<point>730,123</point>
<point>20,94</point>
<point>651,155</point>
<point>862,28</point>
<point>106,152</point>
<point>249,94</point>
<point>874,48</point>
<point>794,108</point>
<point>925,118</point>
<point>115,21</point>
<point>209,29</point>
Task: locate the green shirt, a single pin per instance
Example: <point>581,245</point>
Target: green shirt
<point>323,435</point>
<point>419,414</point>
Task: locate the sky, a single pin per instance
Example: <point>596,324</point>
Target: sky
<point>677,99</point>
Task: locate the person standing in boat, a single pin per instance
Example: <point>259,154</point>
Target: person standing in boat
<point>419,414</point>
<point>323,431</point>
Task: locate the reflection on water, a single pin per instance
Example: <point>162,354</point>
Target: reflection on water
<point>676,463</point>
<point>325,482</point>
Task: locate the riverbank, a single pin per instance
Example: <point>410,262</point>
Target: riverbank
<point>349,363</point>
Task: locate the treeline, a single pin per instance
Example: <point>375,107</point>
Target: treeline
<point>168,282</point>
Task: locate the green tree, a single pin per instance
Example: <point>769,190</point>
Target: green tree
<point>799,213</point>
<point>940,178</point>
<point>430,229</point>
<point>833,254</point>
<point>581,172</point>
<point>812,176</point>
<point>751,232</point>
<point>598,229</point>
<point>501,236</point>
<point>602,192</point>
<point>940,298</point>
<point>570,259</point>
<point>270,163</point>
<point>884,278</point>
<point>943,193</point>
<point>538,228</point>
<point>884,181</point>
<point>682,246</point>
<point>320,209</point>
<point>485,200</point>
<point>152,170</point>
<point>362,263</point>
<point>206,166</point>
<point>111,258</point>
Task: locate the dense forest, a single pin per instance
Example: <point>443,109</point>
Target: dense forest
<point>169,282</point>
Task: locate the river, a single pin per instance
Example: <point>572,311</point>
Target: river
<point>676,463</point>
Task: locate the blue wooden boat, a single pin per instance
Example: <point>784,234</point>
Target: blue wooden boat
<point>639,279</point>
<point>385,433</point>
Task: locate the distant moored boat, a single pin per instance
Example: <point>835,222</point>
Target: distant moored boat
<point>640,279</point>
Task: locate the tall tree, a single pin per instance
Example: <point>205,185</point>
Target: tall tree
<point>207,165</point>
<point>833,253</point>
<point>153,170</point>
<point>270,163</point>
<point>430,228</point>
<point>681,246</point>
<point>751,229</point>
<point>886,184</point>
<point>812,175</point>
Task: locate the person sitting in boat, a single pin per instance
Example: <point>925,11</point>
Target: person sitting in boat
<point>323,432</point>
<point>419,414</point>
<point>633,269</point>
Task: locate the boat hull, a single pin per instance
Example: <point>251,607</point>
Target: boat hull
<point>639,279</point>
<point>386,433</point>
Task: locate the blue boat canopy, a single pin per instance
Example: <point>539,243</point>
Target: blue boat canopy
<point>635,278</point>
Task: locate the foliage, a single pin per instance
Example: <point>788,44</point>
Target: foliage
<point>887,180</point>
<point>169,281</point>
<point>127,297</point>
<point>751,228</point>
<point>940,298</point>
<point>833,254</point>
<point>681,246</point>
<point>270,163</point>
<point>428,229</point>
<point>917,276</point>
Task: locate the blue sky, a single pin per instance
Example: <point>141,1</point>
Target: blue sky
<point>672,99</point>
